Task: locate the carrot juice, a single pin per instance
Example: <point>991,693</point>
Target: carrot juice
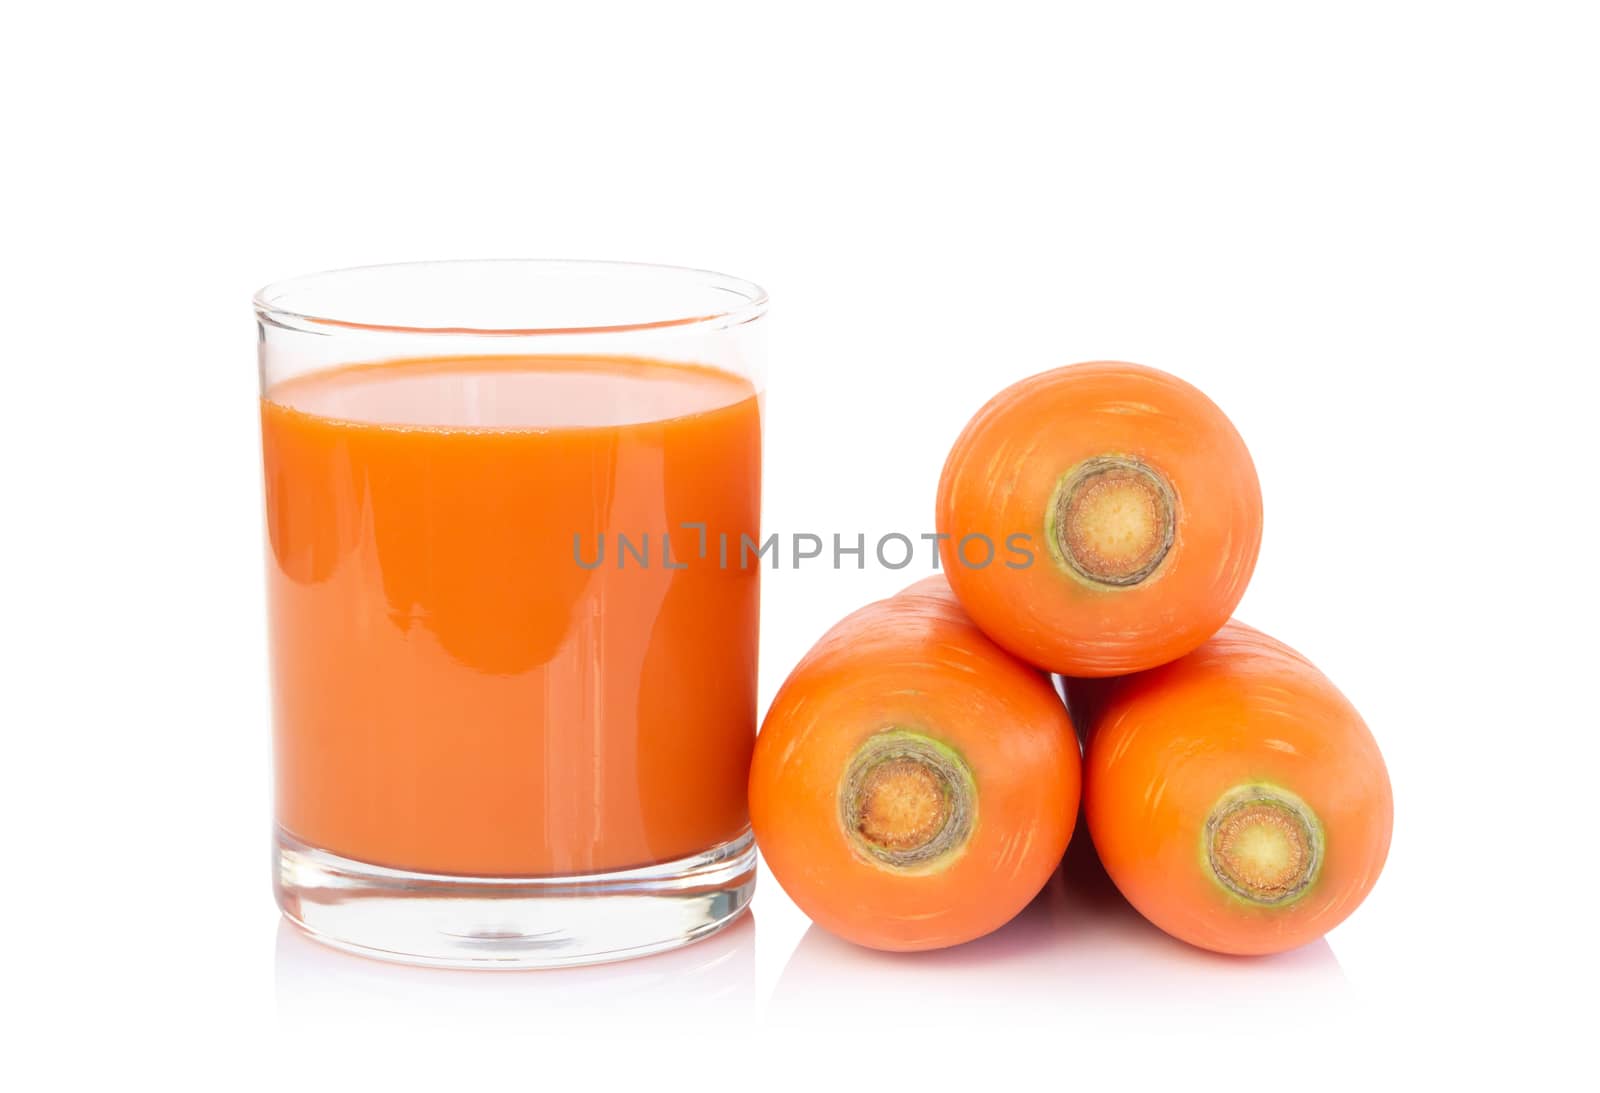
<point>500,647</point>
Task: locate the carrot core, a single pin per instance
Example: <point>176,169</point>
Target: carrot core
<point>1263,844</point>
<point>907,801</point>
<point>1113,520</point>
<point>903,805</point>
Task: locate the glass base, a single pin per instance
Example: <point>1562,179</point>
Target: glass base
<point>446,921</point>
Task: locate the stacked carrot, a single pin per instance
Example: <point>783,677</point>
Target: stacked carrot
<point>917,778</point>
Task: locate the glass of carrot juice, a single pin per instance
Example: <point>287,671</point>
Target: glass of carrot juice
<point>513,631</point>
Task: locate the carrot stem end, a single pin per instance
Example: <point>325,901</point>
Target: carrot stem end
<point>1263,844</point>
<point>1112,520</point>
<point>907,802</point>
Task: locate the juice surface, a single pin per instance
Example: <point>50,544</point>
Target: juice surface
<point>458,686</point>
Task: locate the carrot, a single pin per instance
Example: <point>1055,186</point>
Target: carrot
<point>1099,519</point>
<point>1235,796</point>
<point>914,785</point>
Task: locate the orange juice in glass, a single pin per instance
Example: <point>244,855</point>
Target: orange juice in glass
<point>513,634</point>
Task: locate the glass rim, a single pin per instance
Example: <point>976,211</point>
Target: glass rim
<point>271,306</point>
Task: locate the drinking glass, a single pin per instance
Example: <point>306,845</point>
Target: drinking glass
<point>513,634</point>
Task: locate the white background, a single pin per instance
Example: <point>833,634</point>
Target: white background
<point>1368,231</point>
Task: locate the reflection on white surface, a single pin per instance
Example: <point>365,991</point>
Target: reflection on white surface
<point>1078,953</point>
<point>317,985</point>
<point>1079,947</point>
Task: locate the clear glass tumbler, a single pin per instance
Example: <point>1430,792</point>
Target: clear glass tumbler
<point>513,631</point>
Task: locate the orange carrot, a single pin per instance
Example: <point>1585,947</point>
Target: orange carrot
<point>1099,519</point>
<point>1235,796</point>
<point>914,785</point>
